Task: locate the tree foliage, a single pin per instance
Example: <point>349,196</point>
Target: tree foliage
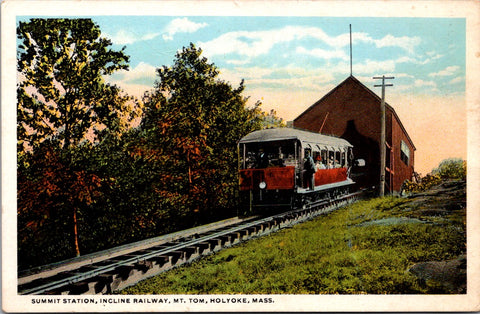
<point>271,120</point>
<point>61,91</point>
<point>178,168</point>
<point>193,120</point>
<point>47,190</point>
<point>448,169</point>
<point>62,100</point>
<point>452,168</point>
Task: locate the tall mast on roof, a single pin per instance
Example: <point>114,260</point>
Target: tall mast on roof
<point>351,50</point>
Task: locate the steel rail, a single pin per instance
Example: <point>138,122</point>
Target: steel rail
<point>164,251</point>
<point>103,269</point>
<point>49,270</point>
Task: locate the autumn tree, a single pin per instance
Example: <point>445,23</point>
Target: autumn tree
<point>192,123</point>
<point>178,168</point>
<point>47,187</point>
<point>63,99</point>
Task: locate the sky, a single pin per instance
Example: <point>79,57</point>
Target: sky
<point>288,63</point>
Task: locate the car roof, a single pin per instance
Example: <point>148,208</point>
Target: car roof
<point>307,138</point>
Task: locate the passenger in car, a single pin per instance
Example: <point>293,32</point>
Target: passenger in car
<point>310,169</point>
<point>262,159</point>
<point>330,163</point>
<point>318,163</point>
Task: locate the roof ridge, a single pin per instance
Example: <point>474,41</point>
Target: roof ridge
<point>357,81</point>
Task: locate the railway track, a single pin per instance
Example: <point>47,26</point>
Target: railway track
<point>113,270</point>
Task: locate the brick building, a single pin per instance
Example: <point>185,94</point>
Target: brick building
<point>352,111</point>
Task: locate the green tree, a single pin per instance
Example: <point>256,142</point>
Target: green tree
<point>192,123</point>
<point>451,168</point>
<point>64,100</point>
<point>61,90</point>
<point>271,120</point>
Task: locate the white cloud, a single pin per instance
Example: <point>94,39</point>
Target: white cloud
<point>457,80</point>
<point>181,25</point>
<point>434,55</point>
<point>382,67</point>
<point>142,70</point>
<point>125,79</point>
<point>123,37</point>
<point>375,67</point>
<point>337,42</point>
<point>448,71</point>
<point>251,72</point>
<point>406,60</point>
<point>250,44</point>
<point>402,75</point>
<point>323,54</point>
<point>400,88</point>
<point>256,43</point>
<point>288,77</point>
<point>405,42</point>
<point>238,62</point>
<point>385,66</point>
<point>422,83</point>
<point>431,57</point>
<point>304,83</point>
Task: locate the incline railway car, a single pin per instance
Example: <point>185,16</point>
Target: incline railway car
<point>291,168</point>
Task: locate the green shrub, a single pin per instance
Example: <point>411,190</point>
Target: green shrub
<point>452,168</point>
<point>425,183</point>
<point>448,169</point>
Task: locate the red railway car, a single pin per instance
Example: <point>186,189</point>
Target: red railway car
<point>291,168</point>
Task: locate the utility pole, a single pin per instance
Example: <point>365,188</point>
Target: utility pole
<point>382,133</point>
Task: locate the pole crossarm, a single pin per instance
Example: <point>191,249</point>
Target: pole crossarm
<point>384,77</point>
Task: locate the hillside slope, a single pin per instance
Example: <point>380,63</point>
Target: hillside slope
<point>391,245</point>
<point>444,201</point>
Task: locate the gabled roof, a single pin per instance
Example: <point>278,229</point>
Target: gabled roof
<point>352,80</point>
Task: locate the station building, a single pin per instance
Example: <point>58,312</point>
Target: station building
<point>353,112</point>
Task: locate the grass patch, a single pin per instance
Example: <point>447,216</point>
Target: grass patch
<point>363,248</point>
